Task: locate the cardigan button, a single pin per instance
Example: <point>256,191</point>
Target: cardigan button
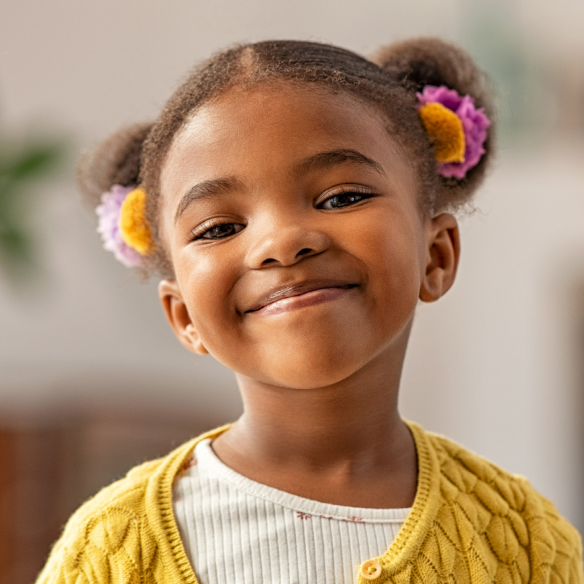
<point>371,570</point>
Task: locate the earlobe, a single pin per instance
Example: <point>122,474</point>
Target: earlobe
<point>443,253</point>
<point>195,343</point>
<point>178,317</point>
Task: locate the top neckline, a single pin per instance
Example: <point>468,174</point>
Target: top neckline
<point>209,464</point>
<point>404,548</point>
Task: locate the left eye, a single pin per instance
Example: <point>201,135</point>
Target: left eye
<point>343,200</point>
<point>220,231</point>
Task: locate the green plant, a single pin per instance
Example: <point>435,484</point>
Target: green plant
<point>24,168</point>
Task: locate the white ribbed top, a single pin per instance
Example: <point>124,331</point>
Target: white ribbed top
<point>239,531</point>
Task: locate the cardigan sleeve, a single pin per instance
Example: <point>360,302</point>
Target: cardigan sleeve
<point>102,549</point>
<point>61,568</point>
<point>575,570</point>
<point>555,546</point>
<point>567,565</point>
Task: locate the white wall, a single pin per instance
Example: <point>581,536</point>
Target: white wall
<point>491,365</point>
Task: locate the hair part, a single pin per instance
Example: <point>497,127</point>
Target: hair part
<point>389,82</point>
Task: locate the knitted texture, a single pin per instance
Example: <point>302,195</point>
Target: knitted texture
<point>471,522</point>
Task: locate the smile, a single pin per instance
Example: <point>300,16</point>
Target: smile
<point>302,299</point>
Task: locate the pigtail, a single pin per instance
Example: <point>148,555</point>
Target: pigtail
<point>430,61</point>
<point>116,161</point>
<point>418,63</point>
<point>109,179</point>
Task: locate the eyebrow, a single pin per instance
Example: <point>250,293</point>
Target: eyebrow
<point>324,160</point>
<point>205,190</point>
<point>321,161</point>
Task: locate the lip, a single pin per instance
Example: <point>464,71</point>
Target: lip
<point>307,293</point>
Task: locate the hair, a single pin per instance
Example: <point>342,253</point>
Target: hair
<point>388,81</point>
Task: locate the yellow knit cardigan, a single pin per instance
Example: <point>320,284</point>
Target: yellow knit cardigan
<point>471,522</point>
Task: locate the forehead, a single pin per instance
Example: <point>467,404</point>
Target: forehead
<point>258,135</point>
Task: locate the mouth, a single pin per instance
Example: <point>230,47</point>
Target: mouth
<point>301,295</point>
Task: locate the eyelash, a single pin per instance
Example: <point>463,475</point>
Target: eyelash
<point>361,192</point>
<point>208,226</point>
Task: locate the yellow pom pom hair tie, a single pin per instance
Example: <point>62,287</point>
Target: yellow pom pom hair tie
<point>123,226</point>
<point>445,130</point>
<point>134,228</point>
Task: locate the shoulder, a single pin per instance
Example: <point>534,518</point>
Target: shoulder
<point>112,523</point>
<point>125,532</point>
<point>126,493</point>
<point>507,514</point>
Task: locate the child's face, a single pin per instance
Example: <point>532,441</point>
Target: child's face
<point>288,191</point>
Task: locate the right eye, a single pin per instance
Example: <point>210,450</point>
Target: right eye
<point>218,231</point>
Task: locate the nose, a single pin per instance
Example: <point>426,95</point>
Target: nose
<point>286,245</point>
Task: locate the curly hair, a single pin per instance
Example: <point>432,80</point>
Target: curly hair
<point>388,80</point>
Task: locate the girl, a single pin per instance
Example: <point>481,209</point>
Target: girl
<point>296,199</point>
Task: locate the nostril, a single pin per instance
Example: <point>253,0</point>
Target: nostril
<point>303,251</point>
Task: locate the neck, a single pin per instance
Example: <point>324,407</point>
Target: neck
<point>353,422</point>
<point>343,444</point>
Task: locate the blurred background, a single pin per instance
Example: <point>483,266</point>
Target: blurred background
<point>92,381</point>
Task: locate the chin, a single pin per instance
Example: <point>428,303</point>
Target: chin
<point>306,380</point>
<point>311,368</point>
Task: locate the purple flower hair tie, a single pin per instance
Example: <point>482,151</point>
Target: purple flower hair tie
<point>109,226</point>
<point>473,123</point>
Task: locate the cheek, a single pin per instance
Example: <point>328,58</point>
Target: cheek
<point>206,283</point>
<point>392,253</point>
<point>391,250</point>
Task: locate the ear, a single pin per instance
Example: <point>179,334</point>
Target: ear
<point>178,317</point>
<point>443,253</point>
